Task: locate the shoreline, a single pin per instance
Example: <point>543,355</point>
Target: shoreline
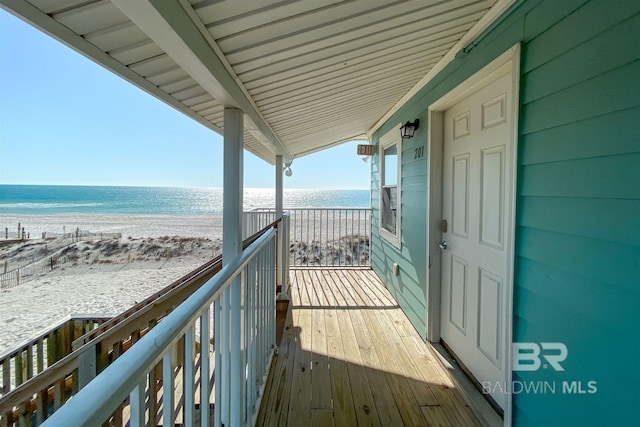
<point>130,225</point>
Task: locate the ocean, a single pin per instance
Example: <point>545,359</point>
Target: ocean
<point>57,199</point>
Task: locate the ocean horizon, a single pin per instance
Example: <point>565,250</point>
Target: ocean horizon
<point>78,199</point>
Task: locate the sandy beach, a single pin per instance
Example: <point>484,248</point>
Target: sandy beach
<point>102,277</point>
<point>208,226</point>
<point>106,274</point>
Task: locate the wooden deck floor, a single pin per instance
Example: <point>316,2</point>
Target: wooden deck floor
<point>349,356</point>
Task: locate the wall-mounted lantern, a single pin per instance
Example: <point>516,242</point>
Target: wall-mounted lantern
<point>408,129</point>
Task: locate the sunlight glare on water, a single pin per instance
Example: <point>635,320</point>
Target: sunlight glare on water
<point>29,199</point>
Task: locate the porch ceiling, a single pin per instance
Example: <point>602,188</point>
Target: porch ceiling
<point>308,74</point>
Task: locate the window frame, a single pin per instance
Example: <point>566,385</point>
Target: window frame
<point>387,140</point>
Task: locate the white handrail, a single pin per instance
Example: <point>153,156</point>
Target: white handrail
<point>101,397</point>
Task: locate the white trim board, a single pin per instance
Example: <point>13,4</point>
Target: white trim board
<point>390,138</point>
<point>508,62</point>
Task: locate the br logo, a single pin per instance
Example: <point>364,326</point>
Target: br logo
<point>528,356</point>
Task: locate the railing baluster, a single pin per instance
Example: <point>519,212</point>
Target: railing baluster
<point>259,312</point>
<point>265,258</point>
<point>223,371</point>
<point>235,350</point>
<point>117,417</point>
<point>287,230</point>
<point>359,234</point>
<point>188,379</point>
<point>249,334</point>
<point>58,394</point>
<point>314,230</point>
<point>42,406</point>
<point>333,236</point>
<point>271,306</point>
<point>29,365</point>
<point>25,415</point>
<point>217,353</point>
<point>153,395</point>
<point>341,252</point>
<point>319,226</point>
<point>205,419</point>
<point>167,389</point>
<point>137,404</point>
<point>40,355</point>
<point>264,284</point>
<point>18,368</point>
<point>6,375</point>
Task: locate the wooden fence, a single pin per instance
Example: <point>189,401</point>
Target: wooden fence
<point>38,353</point>
<point>32,270</point>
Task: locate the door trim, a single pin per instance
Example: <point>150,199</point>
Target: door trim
<point>507,62</point>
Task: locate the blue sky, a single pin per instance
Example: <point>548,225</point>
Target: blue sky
<point>65,120</point>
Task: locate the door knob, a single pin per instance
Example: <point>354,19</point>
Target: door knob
<point>443,245</point>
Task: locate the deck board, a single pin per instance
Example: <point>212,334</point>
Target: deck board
<point>349,356</point>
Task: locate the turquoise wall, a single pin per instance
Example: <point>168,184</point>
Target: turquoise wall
<point>408,286</point>
<point>577,278</point>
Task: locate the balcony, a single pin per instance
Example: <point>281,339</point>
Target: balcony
<point>347,353</point>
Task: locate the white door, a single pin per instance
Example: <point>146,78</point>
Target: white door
<point>476,203</point>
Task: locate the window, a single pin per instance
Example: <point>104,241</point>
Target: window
<point>390,152</point>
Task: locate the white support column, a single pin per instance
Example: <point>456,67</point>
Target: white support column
<point>233,184</point>
<point>232,332</point>
<point>280,282</point>
<point>279,190</point>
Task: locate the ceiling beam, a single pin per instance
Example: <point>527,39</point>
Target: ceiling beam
<point>171,27</point>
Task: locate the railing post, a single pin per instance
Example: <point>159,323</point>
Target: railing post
<point>280,282</point>
<point>282,257</point>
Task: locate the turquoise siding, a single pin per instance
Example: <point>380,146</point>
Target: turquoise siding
<point>408,286</point>
<point>577,277</point>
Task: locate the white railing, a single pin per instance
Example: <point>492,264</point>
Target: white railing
<point>321,236</point>
<point>258,219</point>
<point>241,298</point>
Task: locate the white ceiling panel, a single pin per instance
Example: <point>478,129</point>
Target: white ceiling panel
<point>136,52</point>
<point>309,74</point>
<point>353,33</point>
<point>91,17</point>
<point>119,35</point>
<point>155,66</point>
